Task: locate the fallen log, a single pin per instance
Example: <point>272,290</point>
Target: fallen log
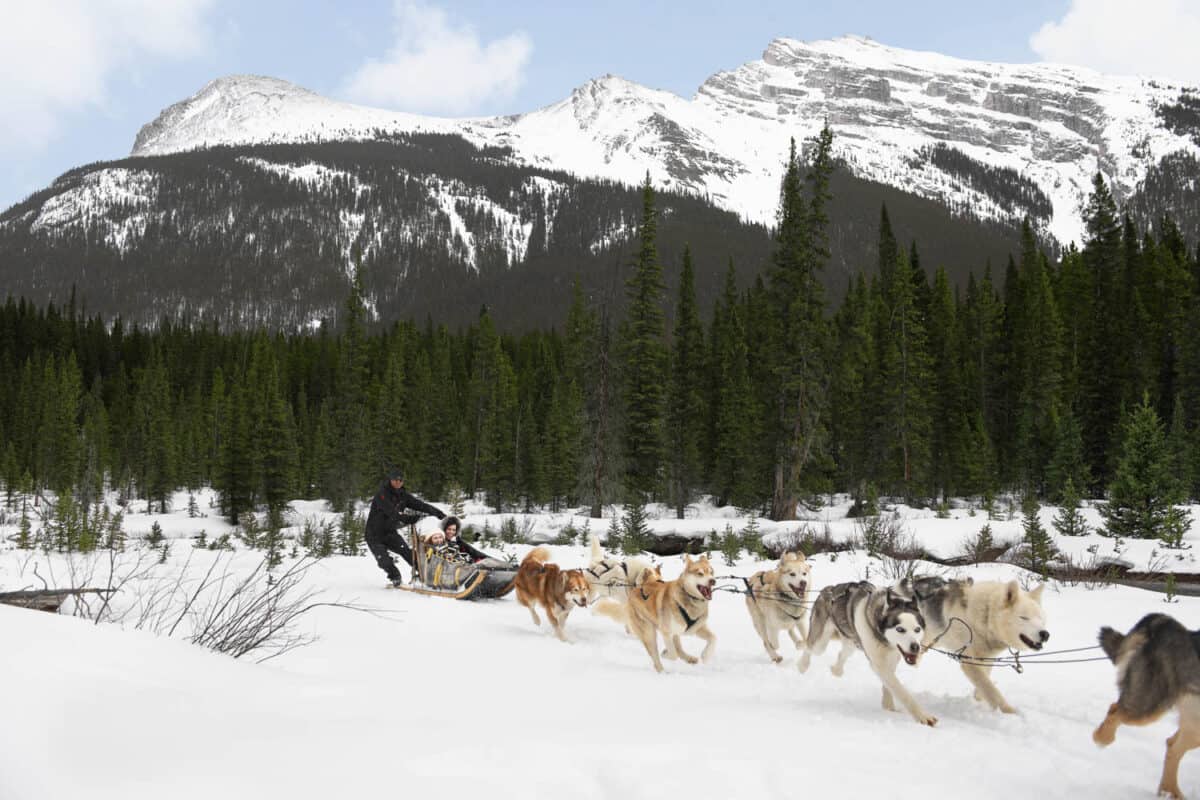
<point>45,599</point>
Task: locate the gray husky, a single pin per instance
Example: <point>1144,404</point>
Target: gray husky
<point>1158,668</point>
<point>884,624</point>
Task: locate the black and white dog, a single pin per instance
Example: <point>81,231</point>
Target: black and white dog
<point>884,623</point>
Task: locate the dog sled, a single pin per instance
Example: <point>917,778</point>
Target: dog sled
<point>439,576</point>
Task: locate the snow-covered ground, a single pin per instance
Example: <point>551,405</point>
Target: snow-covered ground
<point>435,697</point>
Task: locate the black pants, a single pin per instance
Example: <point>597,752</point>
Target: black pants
<point>380,542</point>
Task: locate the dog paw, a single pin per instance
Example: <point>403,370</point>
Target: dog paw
<point>1172,792</point>
<point>1103,737</point>
<point>803,663</point>
<point>691,659</point>
<point>667,654</point>
<point>926,719</point>
<point>777,659</point>
<point>837,671</point>
<point>1005,708</point>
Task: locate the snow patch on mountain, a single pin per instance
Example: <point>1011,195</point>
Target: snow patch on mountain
<point>1056,125</point>
<point>88,203</point>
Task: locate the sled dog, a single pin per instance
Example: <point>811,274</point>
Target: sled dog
<point>539,582</point>
<point>1158,668</point>
<point>885,624</point>
<point>671,608</point>
<point>981,620</point>
<point>776,601</point>
<point>612,577</point>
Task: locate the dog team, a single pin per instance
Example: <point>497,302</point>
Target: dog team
<point>1158,661</point>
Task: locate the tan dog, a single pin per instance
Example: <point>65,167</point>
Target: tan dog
<point>671,608</point>
<point>557,590</point>
<point>776,602</point>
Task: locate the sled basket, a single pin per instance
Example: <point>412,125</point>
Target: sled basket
<point>442,577</point>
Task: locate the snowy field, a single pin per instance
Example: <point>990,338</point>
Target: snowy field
<point>429,696</point>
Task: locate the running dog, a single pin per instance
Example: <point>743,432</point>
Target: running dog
<point>884,624</point>
<point>556,590</point>
<point>1158,668</point>
<point>612,577</point>
<point>775,599</point>
<point>980,621</point>
<point>671,608</point>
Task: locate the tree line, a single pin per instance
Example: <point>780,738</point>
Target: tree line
<point>1029,378</point>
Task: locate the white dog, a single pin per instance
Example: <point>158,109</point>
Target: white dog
<point>612,577</point>
<point>981,620</point>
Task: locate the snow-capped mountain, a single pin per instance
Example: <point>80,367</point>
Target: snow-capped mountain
<point>926,123</point>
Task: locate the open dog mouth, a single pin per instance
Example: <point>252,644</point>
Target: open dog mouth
<point>581,602</point>
<point>798,588</point>
<point>1030,643</point>
<point>910,657</point>
<point>705,591</point>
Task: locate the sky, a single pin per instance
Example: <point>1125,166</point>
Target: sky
<point>78,78</point>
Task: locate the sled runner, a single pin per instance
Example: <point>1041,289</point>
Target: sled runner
<point>436,575</point>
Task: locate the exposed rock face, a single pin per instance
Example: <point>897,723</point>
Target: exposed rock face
<point>1052,124</point>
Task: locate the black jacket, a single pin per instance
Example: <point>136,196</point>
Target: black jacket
<point>464,546</point>
<point>387,509</point>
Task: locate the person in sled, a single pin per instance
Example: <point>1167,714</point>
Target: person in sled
<point>386,517</point>
<point>450,528</point>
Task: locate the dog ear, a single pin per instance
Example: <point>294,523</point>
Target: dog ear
<point>687,560</point>
<point>1011,593</point>
<point>1036,594</point>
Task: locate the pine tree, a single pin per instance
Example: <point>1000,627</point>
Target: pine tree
<point>905,402</point>
<point>685,403</point>
<point>1037,360</point>
<point>493,404</point>
<point>1067,462</point>
<point>851,408</point>
<point>734,411</point>
<point>800,340</point>
<point>1069,521</point>
<point>1039,546</point>
<point>1100,394</point>
<point>1145,487</point>
<point>635,533</point>
<point>949,430</point>
<point>644,360</point>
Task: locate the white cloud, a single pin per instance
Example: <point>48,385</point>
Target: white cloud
<point>60,56</point>
<point>433,67</point>
<point>1149,37</point>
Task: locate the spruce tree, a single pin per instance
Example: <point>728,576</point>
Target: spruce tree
<point>1069,521</point>
<point>1100,393</point>
<point>851,408</point>
<point>1039,545</point>
<point>734,410</point>
<point>644,358</point>
<point>1145,488</point>
<point>1036,364</point>
<point>905,392</point>
<point>685,402</point>
<point>949,430</point>
<point>800,335</point>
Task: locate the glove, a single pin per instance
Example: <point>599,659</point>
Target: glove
<point>441,515</point>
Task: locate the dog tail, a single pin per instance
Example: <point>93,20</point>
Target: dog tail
<point>613,609</point>
<point>597,552</point>
<point>536,559</point>
<point>1110,642</point>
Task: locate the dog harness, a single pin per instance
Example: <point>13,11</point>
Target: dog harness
<point>686,619</point>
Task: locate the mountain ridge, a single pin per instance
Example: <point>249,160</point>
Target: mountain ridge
<point>1056,125</point>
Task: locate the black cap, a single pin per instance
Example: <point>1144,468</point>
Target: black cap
<point>395,474</point>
